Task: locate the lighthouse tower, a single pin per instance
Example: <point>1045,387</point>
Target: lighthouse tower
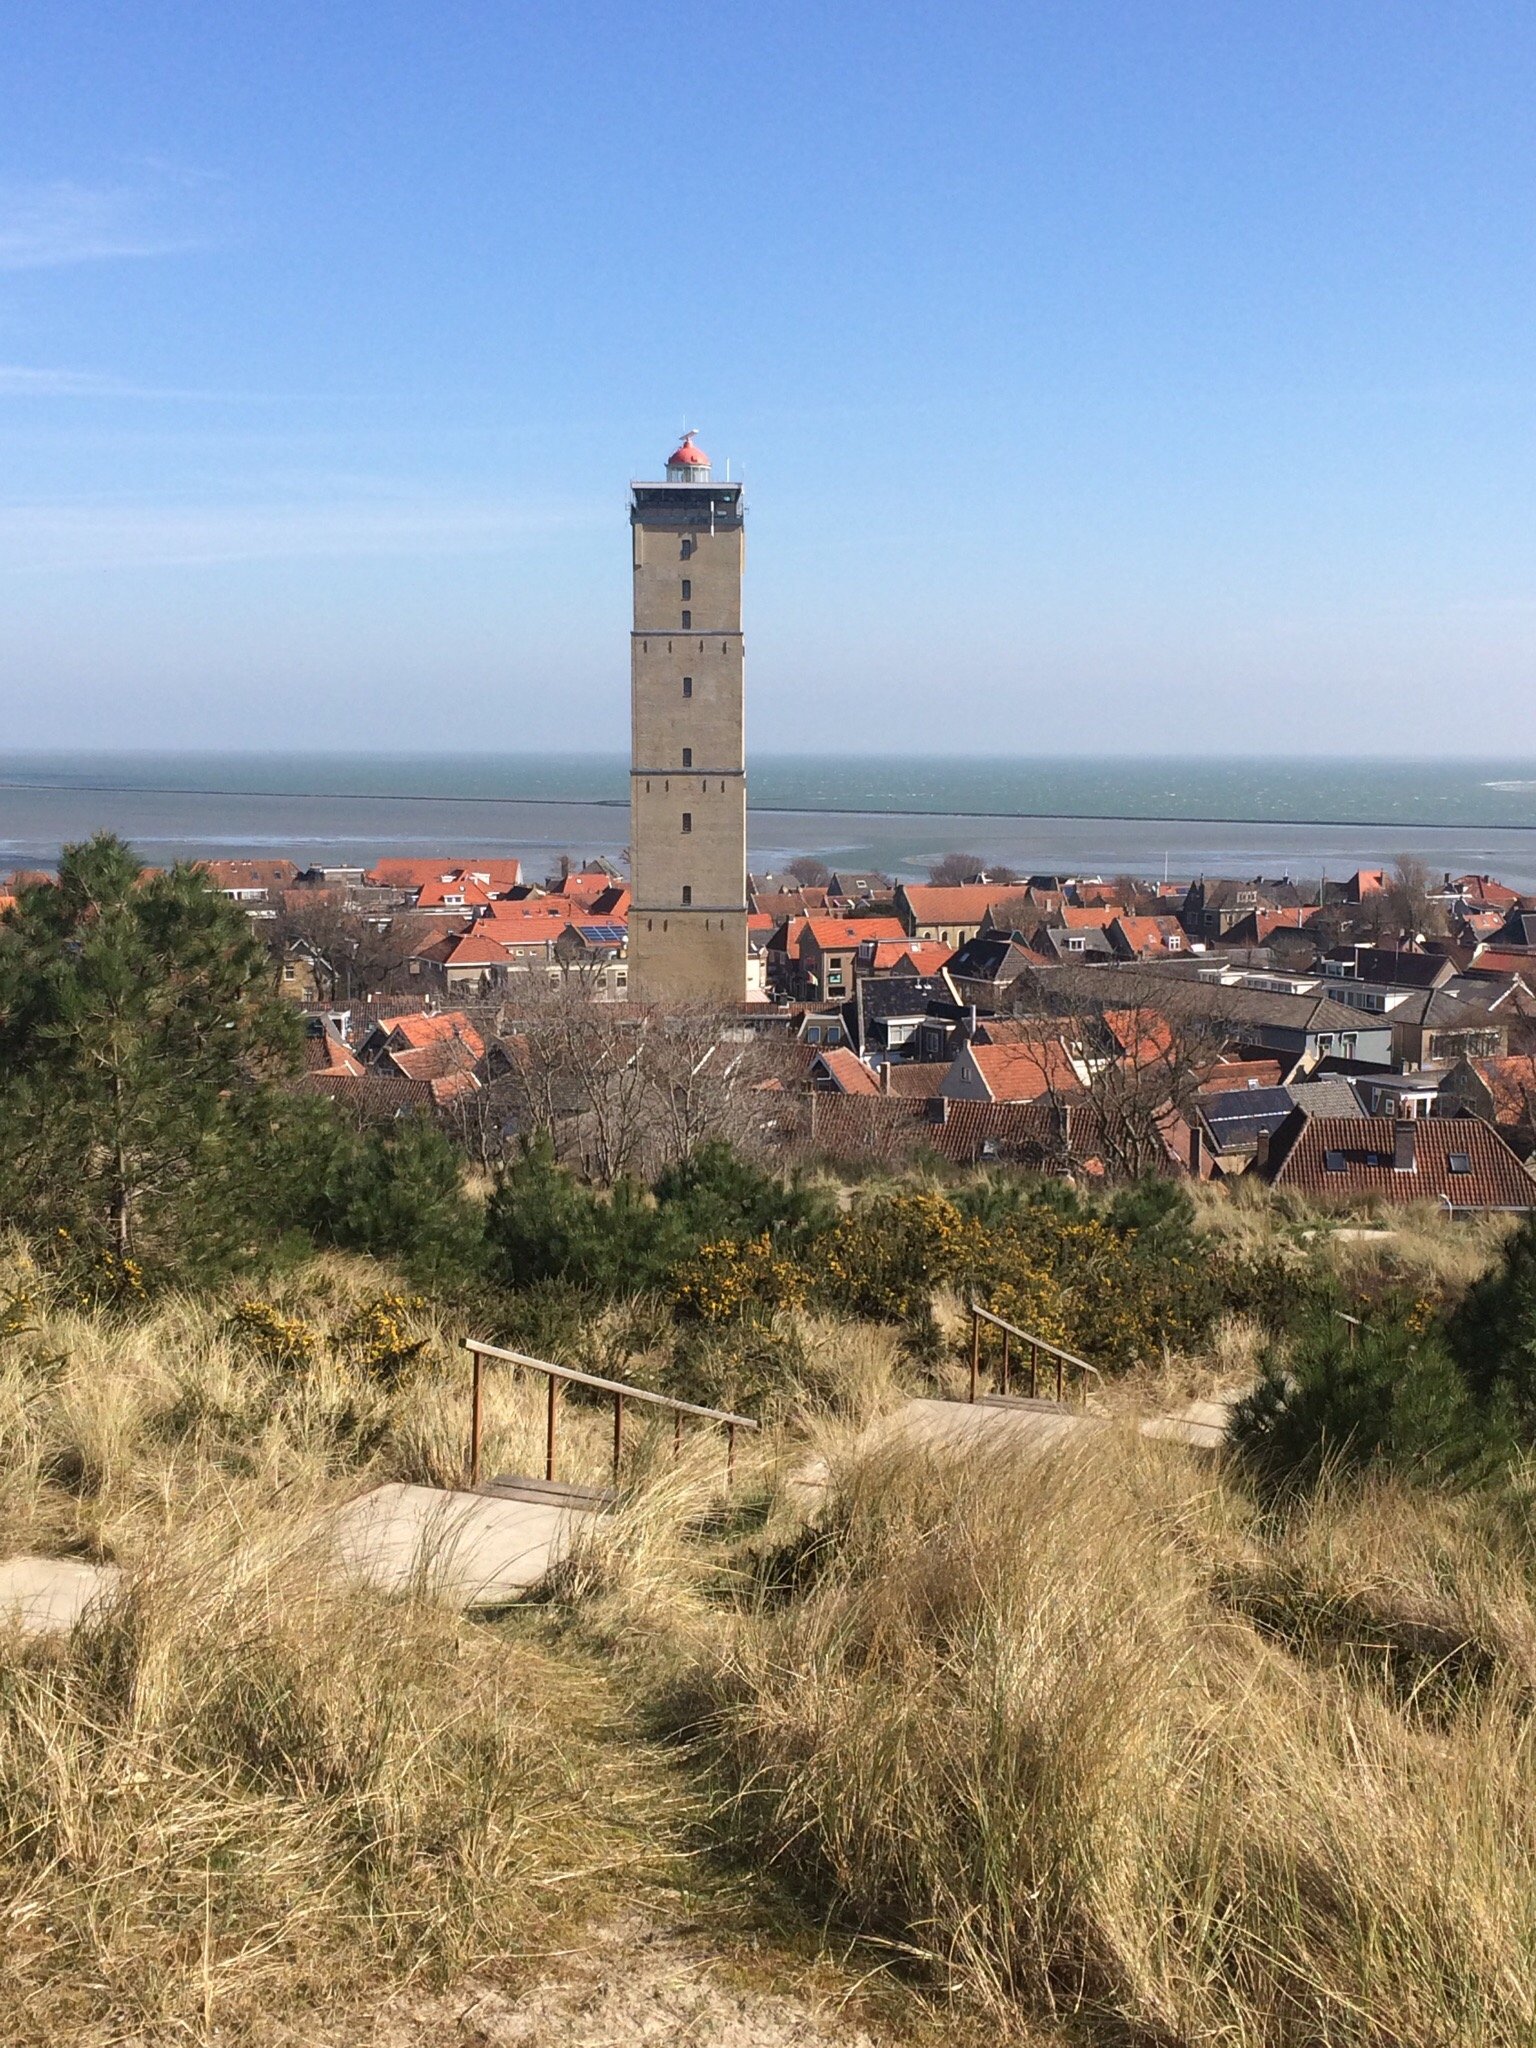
<point>688,785</point>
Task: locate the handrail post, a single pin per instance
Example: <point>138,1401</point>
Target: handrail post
<point>618,1433</point>
<point>549,1431</point>
<point>1006,1341</point>
<point>1034,1370</point>
<point>474,1422</point>
<point>975,1347</point>
<point>1060,1367</point>
<point>730,1454</point>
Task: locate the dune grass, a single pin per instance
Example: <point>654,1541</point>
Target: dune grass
<point>1083,1736</point>
<point>1088,1742</point>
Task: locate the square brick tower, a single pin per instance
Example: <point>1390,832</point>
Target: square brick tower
<point>688,784</point>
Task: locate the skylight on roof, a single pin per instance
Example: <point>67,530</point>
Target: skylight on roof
<point>1333,1162</point>
<point>1459,1162</point>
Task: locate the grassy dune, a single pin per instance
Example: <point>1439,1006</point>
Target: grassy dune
<point>1079,1732</point>
<point>1086,1744</point>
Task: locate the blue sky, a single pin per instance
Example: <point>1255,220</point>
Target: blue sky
<point>1106,377</point>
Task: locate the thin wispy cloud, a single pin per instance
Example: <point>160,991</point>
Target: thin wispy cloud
<point>43,227</point>
<point>20,381</point>
<point>42,539</point>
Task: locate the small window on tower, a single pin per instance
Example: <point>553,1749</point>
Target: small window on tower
<point>687,757</point>
<point>687,894</point>
<point>687,618</point>
<point>687,590</point>
<point>687,821</point>
<point>687,545</point>
<point>687,686</point>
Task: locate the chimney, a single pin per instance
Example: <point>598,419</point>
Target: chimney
<point>1261,1153</point>
<point>885,1077</point>
<point>1194,1151</point>
<point>938,1109</point>
<point>1061,1123</point>
<point>1402,1144</point>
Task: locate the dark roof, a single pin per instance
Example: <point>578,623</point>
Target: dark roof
<point>1331,1156</point>
<point>1438,1006</point>
<point>1327,1095</point>
<point>965,1134</point>
<point>903,995</point>
<point>1386,967</point>
<point>1238,1116</point>
<point>990,956</point>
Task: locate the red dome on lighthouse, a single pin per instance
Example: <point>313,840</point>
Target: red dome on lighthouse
<point>687,455</point>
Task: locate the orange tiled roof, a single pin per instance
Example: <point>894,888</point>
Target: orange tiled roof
<point>1144,1036</point>
<point>928,956</point>
<point>1027,1070</point>
<point>453,892</point>
<point>249,874</point>
<point>966,904</point>
<point>846,1071</point>
<point>419,1029</point>
<point>1511,1081</point>
<point>1080,918</point>
<point>496,875</point>
<point>1146,936</point>
<point>834,934</point>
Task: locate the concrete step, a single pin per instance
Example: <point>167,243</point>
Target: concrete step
<point>475,1550</point>
<point>41,1595</point>
<point>550,1492</point>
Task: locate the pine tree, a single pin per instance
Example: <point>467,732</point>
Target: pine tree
<point>134,1011</point>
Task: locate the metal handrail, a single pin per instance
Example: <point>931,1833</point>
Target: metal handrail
<point>980,1315</point>
<point>621,1391</point>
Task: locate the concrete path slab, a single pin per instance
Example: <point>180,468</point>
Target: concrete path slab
<point>960,1425</point>
<point>474,1549</point>
<point>44,1595</point>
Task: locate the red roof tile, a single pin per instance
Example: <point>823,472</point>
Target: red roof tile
<point>836,934</point>
<point>1362,1149</point>
<point>1026,1071</point>
<point>845,1070</point>
<point>967,904</point>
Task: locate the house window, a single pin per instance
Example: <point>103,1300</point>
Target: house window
<point>687,591</point>
<point>687,619</point>
<point>687,821</point>
<point>813,1035</point>
<point>687,757</point>
<point>687,686</point>
<point>834,1035</point>
<point>688,895</point>
<point>1459,1162</point>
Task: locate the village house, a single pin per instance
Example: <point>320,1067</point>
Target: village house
<point>1212,908</point>
<point>1147,938</point>
<point>1041,1065</point>
<point>950,915</point>
<point>818,955</point>
<point>1460,1162</point>
<point>249,882</point>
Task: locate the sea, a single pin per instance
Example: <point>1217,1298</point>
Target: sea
<point>1152,817</point>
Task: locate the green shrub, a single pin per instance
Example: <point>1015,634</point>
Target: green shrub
<point>1392,1397</point>
<point>396,1191</point>
<point>1492,1334</point>
<point>715,1194</point>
